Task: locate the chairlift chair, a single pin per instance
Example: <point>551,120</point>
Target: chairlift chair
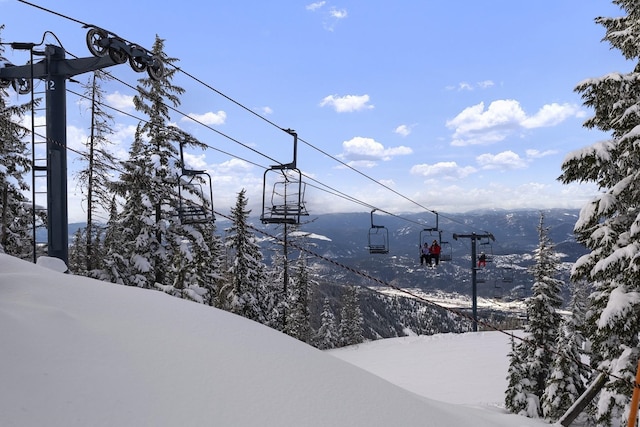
<point>497,292</point>
<point>285,205</point>
<point>193,206</point>
<point>194,188</point>
<point>487,248</point>
<point>378,238</point>
<point>426,236</point>
<point>286,202</point>
<point>508,274</point>
<point>480,276</point>
<point>446,251</point>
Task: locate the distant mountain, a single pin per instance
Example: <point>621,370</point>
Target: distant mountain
<point>342,241</point>
<point>506,276</point>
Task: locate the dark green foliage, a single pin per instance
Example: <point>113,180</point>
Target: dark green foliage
<point>608,225</point>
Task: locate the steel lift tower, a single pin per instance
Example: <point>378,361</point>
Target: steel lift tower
<point>54,69</point>
<point>474,281</point>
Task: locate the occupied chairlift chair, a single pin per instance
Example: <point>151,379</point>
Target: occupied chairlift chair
<point>378,238</point>
<point>486,248</point>
<point>286,202</point>
<point>426,234</point>
<point>194,187</point>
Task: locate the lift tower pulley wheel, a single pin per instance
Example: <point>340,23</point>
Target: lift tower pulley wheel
<point>55,69</point>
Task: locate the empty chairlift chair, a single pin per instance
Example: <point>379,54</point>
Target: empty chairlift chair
<point>195,195</point>
<point>378,238</point>
<point>283,192</point>
<point>194,188</point>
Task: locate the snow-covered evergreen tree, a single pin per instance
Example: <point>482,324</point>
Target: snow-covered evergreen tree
<point>351,320</point>
<point>245,294</point>
<point>158,249</point>
<point>327,335</point>
<point>299,313</point>
<point>542,306</point>
<point>609,224</point>
<point>276,294</point>
<point>15,164</point>
<point>77,254</point>
<point>536,351</point>
<point>520,398</point>
<point>566,381</point>
<point>115,265</point>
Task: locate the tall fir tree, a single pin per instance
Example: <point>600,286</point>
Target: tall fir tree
<point>115,265</point>
<point>16,214</point>
<point>245,295</point>
<point>299,313</point>
<point>94,177</point>
<point>520,398</point>
<point>155,246</point>
<point>327,335</point>
<point>542,308</point>
<point>537,350</point>
<point>608,225</point>
<point>351,319</point>
<point>567,376</point>
<point>77,253</point>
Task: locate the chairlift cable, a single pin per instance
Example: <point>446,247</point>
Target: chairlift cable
<point>239,104</point>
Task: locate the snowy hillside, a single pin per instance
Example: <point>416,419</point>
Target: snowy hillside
<point>78,352</point>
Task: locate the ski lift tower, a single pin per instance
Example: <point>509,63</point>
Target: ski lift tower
<point>474,269</point>
<point>54,69</point>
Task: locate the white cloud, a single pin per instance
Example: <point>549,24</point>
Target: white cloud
<point>485,84</point>
<point>442,170</point>
<point>537,154</point>
<point>505,160</point>
<point>315,6</point>
<point>120,101</point>
<point>331,17</point>
<point>403,130</point>
<point>348,103</point>
<point>209,118</point>
<point>366,152</point>
<point>197,162</point>
<point>477,125</point>
<point>266,110</point>
<point>551,115</point>
<point>233,165</point>
<point>338,13</point>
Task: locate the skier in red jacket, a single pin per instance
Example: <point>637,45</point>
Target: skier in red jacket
<point>434,250</point>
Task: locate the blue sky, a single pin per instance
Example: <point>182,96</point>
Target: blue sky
<point>453,105</point>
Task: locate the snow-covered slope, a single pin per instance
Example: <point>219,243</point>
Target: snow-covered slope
<point>78,352</point>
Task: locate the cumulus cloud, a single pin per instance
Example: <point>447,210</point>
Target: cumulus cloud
<point>403,130</point>
<point>338,13</point>
<point>209,118</point>
<point>477,125</point>
<point>197,162</point>
<point>348,103</point>
<point>233,166</point>
<point>120,101</point>
<point>366,152</point>
<point>442,170</point>
<point>505,160</point>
